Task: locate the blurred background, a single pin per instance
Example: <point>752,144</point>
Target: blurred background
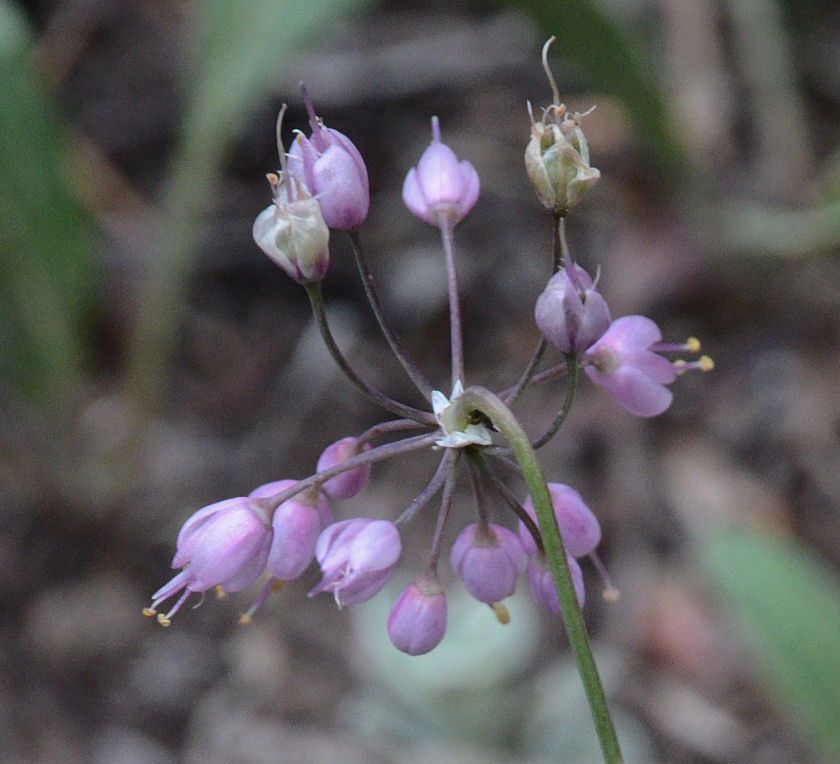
<point>154,361</point>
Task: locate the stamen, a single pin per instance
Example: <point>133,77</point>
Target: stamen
<point>704,363</point>
<point>149,611</point>
<point>502,613</point>
<point>273,585</point>
<point>691,345</point>
<point>166,620</point>
<point>610,593</point>
<point>280,150</point>
<point>317,136</point>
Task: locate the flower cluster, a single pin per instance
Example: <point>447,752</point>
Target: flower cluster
<point>280,528</point>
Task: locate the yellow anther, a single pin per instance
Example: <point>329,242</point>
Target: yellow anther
<point>502,613</point>
<point>278,585</point>
<point>244,619</point>
<point>679,365</point>
<point>163,620</point>
<point>149,611</point>
<point>611,594</point>
<point>705,363</point>
<point>692,345</point>
<point>220,593</point>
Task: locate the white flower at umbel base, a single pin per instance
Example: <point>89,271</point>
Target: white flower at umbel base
<point>453,436</point>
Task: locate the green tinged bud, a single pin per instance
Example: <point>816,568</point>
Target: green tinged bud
<point>557,156</point>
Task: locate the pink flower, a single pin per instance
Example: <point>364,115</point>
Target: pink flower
<point>333,170</point>
<point>578,526</point>
<point>488,561</point>
<point>296,523</point>
<point>225,544</point>
<point>347,484</point>
<point>417,621</point>
<point>623,363</point>
<point>542,583</point>
<point>570,313</point>
<point>440,189</point>
<point>357,558</point>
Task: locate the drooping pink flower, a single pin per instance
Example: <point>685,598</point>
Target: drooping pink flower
<point>578,526</point>
<point>357,557</point>
<point>440,189</point>
<point>225,544</point>
<point>417,621</point>
<point>542,583</point>
<point>347,484</point>
<point>489,561</point>
<point>623,363</point>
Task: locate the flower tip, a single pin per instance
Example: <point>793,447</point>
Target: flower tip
<point>502,613</point>
<point>435,129</point>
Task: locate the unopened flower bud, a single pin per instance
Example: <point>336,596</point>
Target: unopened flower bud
<point>292,231</point>
<point>417,621</point>
<point>578,526</point>
<point>542,583</point>
<point>488,561</point>
<point>570,313</point>
<point>357,558</point>
<point>347,484</point>
<point>440,189</point>
<point>333,170</point>
<point>296,523</point>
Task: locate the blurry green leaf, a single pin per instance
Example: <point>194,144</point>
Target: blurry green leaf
<point>788,606</point>
<point>238,49</point>
<point>613,59</point>
<point>46,272</point>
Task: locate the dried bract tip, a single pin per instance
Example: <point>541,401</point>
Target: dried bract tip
<point>502,613</point>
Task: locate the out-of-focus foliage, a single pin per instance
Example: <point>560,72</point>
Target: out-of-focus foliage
<point>47,278</point>
<point>788,607</point>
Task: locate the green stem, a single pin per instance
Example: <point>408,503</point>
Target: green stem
<point>571,388</point>
<point>482,400</point>
<point>313,290</point>
<point>420,381</point>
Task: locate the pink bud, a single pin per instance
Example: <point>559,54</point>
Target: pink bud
<point>542,583</point>
<point>571,314</point>
<point>440,189</point>
<point>488,561</point>
<point>579,527</point>
<point>417,621</point>
<point>347,484</point>
<point>297,523</point>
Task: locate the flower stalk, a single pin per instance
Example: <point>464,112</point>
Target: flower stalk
<point>480,399</point>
